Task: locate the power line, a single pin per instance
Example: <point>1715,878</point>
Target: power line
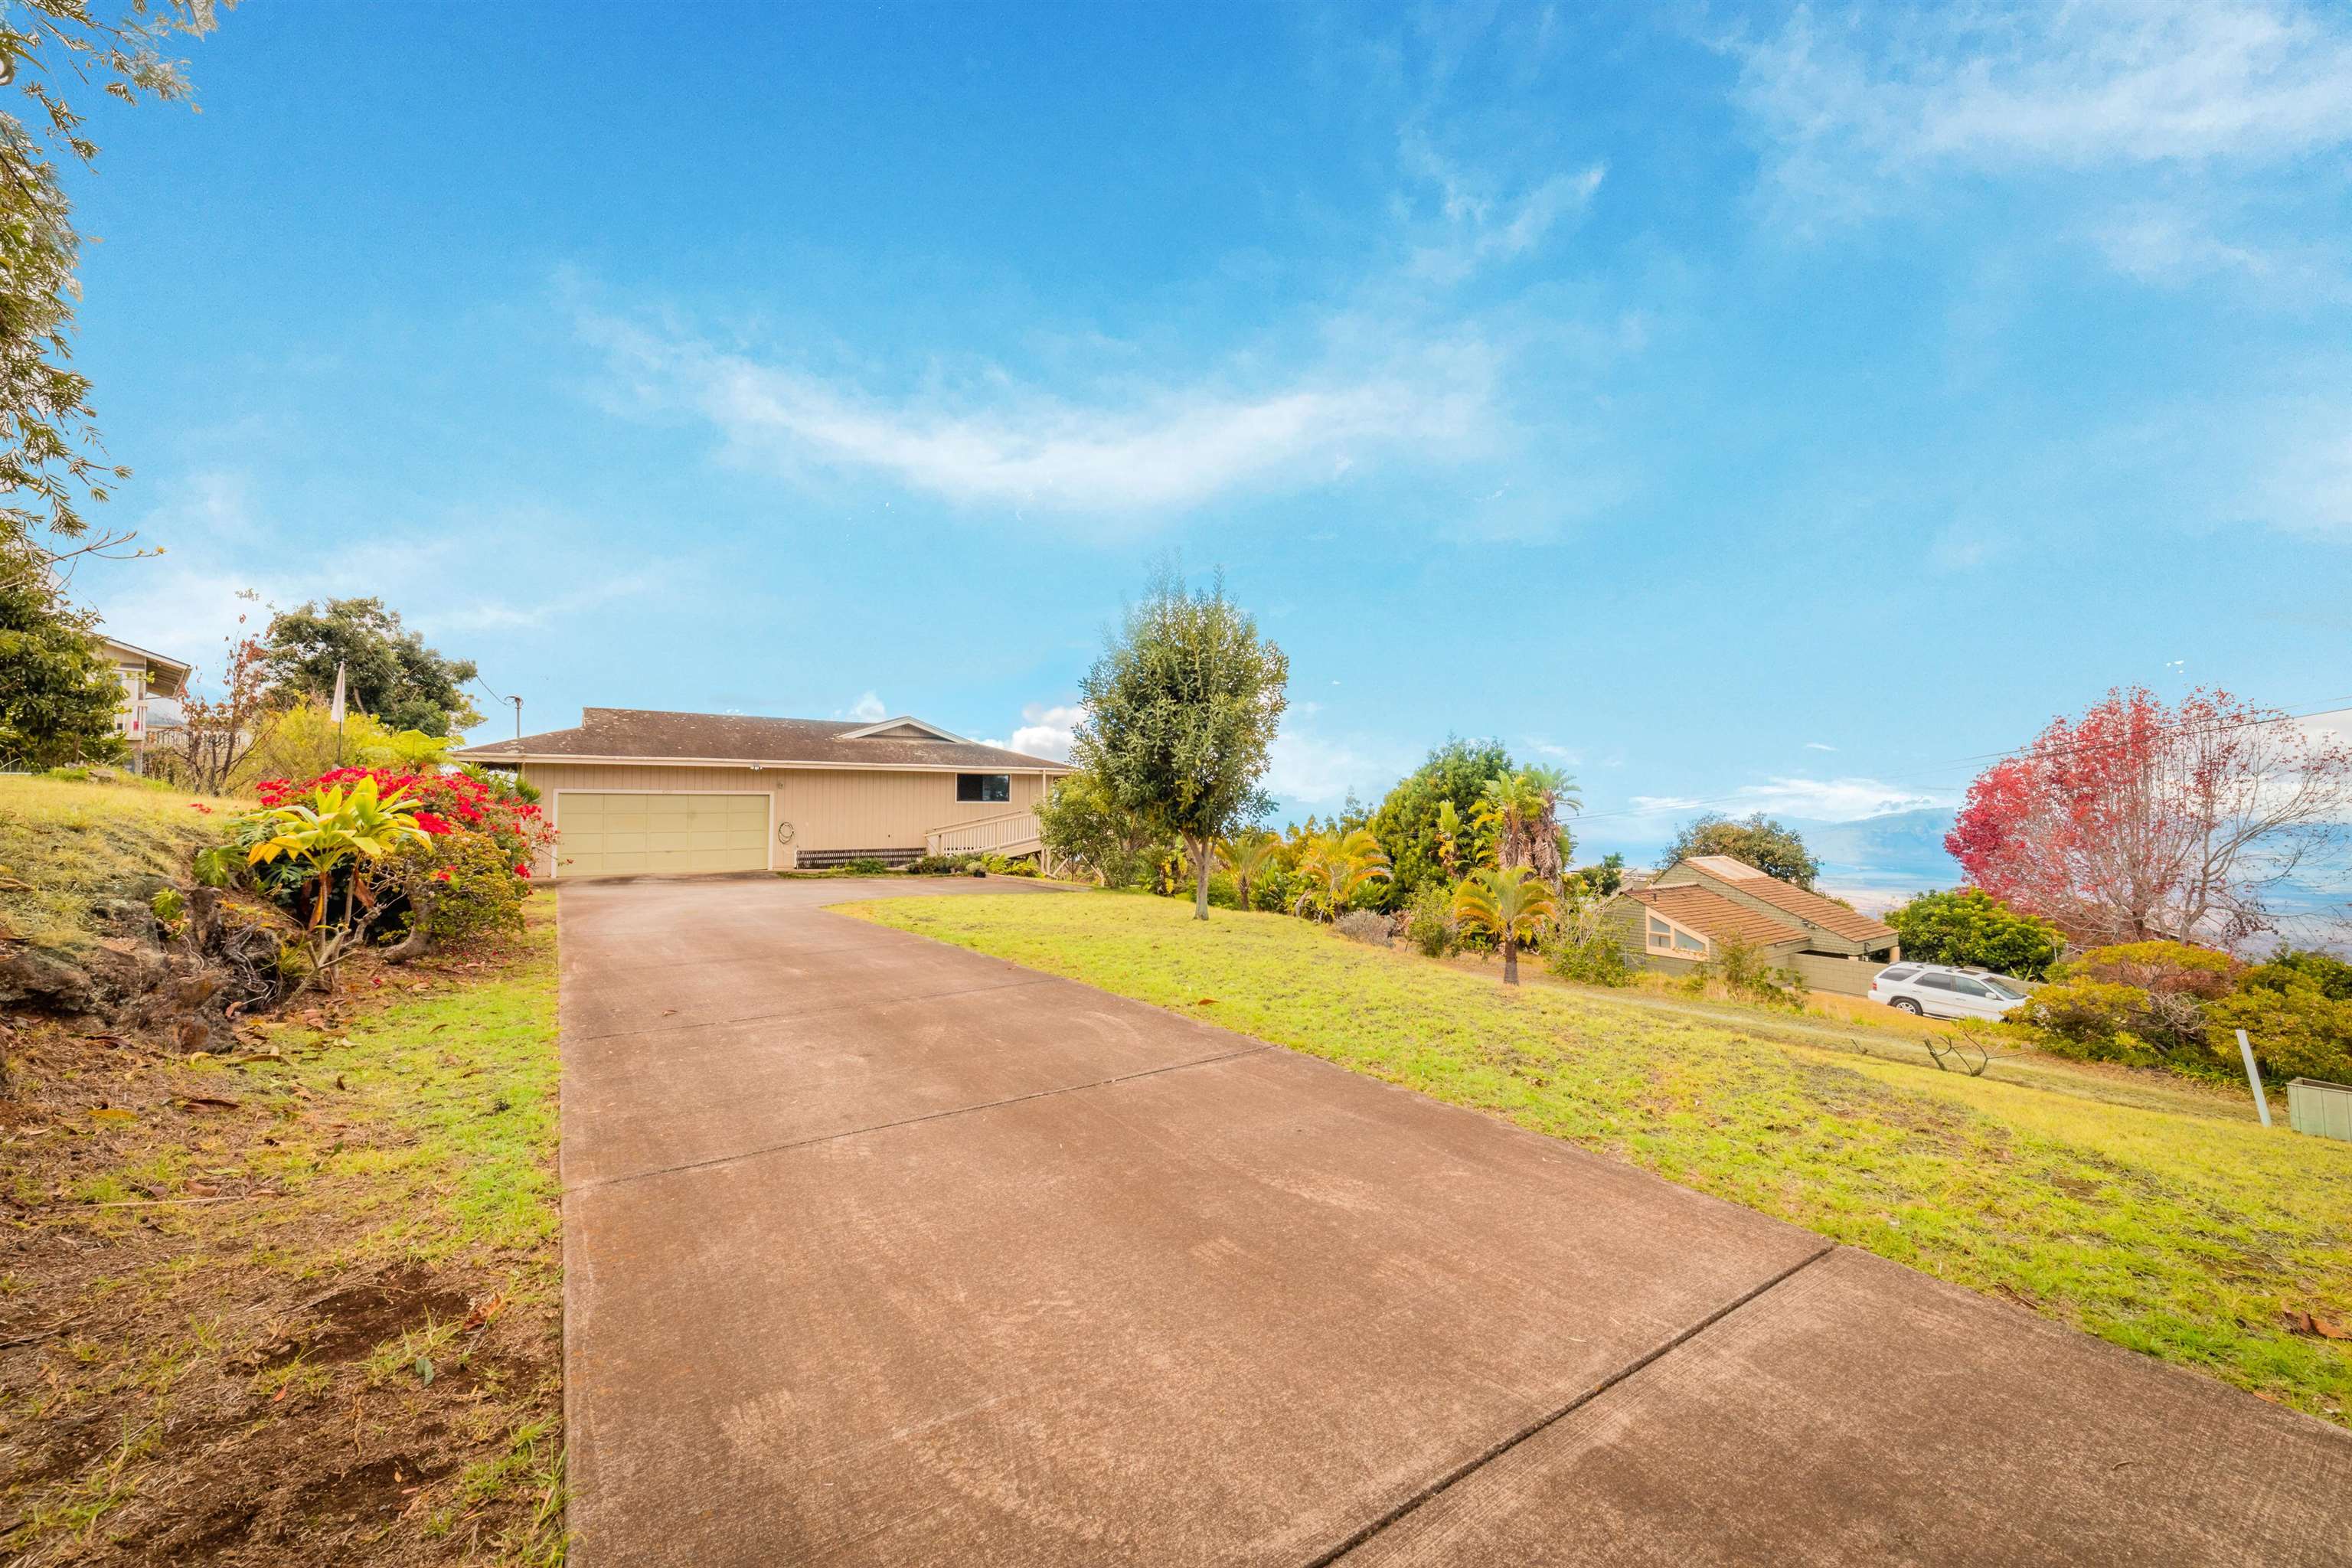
<point>2333,705</point>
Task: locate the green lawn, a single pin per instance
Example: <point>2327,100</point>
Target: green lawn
<point>2178,1232</point>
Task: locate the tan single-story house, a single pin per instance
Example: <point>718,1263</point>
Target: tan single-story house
<point>633,791</point>
<point>145,675</point>
<point>1672,923</point>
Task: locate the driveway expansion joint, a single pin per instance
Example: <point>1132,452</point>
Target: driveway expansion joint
<point>786,1148</point>
<point>1478,1462</point>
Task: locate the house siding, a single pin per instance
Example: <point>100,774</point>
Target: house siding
<point>1840,976</point>
<point>829,808</point>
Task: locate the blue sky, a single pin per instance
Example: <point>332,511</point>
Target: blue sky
<point>1750,406</point>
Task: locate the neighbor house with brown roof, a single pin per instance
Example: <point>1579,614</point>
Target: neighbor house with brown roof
<point>1678,920</point>
<point>634,790</point>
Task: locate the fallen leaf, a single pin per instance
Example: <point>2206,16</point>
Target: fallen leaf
<point>425,1371</point>
<point>1206,1001</point>
<point>484,1310</point>
<point>212,1100</point>
<point>281,1394</point>
<point>340,1083</point>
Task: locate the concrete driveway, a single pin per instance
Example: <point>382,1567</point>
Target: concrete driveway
<point>883,1252</point>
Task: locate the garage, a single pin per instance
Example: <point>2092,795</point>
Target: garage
<point>613,835</point>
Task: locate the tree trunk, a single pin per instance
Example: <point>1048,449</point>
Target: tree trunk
<point>1200,878</point>
<point>419,940</point>
<point>1510,960</point>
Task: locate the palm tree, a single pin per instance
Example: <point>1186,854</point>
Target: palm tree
<point>1523,809</point>
<point>1248,858</point>
<point>1336,868</point>
<point>1510,904</point>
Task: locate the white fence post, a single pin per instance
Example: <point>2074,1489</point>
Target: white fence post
<point>2262,1105</point>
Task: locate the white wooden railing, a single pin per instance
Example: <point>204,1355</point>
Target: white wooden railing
<point>1011,832</point>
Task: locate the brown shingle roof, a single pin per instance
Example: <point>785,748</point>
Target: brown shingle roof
<point>1826,913</point>
<point>652,735</point>
<point>1712,914</point>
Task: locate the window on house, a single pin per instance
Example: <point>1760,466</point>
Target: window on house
<point>983,786</point>
<point>1686,943</point>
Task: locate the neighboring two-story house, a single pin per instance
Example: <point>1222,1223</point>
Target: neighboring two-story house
<point>1672,923</point>
<point>145,676</point>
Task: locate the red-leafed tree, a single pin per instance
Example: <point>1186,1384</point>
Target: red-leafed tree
<point>2137,820</point>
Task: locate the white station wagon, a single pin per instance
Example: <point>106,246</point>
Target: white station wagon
<point>1939,990</point>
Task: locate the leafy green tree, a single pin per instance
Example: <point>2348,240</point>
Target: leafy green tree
<point>1603,877</point>
<point>388,670</point>
<point>1970,927</point>
<point>1181,709</point>
<point>58,694</point>
<point>51,457</point>
<point>2288,967</point>
<point>1758,841</point>
<point>1421,847</point>
<point>1079,822</point>
<point>1510,905</point>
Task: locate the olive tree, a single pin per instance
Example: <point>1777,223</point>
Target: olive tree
<point>1181,709</point>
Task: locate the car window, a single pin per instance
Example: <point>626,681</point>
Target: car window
<point>1898,974</point>
<point>2003,988</point>
<point>1969,988</point>
<point>1935,982</point>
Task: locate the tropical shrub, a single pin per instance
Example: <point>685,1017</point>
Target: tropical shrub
<point>1335,869</point>
<point>1366,926</point>
<point>1970,929</point>
<point>462,888</point>
<point>1430,926</point>
<point>2289,967</point>
<point>335,836</point>
<point>2094,1019</point>
<point>867,866</point>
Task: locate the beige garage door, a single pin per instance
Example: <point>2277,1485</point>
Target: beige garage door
<point>616,835</point>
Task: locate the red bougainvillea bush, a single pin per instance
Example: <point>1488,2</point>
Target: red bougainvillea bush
<point>470,875</point>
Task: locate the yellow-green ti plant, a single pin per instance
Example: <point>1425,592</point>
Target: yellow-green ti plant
<point>1336,868</point>
<point>336,827</point>
<point>1248,858</point>
<point>1510,905</point>
<point>1449,839</point>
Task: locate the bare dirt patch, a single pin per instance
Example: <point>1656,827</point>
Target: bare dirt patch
<point>297,1305</point>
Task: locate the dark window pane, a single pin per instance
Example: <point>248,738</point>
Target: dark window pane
<point>1893,974</point>
<point>1935,982</point>
<point>983,786</point>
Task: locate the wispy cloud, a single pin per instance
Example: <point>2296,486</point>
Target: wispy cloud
<point>1817,800</point>
<point>1140,449</point>
<point>1479,221</point>
<point>1819,746</point>
<point>868,710</point>
<point>1320,770</point>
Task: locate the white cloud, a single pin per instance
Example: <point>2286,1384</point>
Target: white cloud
<point>868,710</point>
<point>1320,770</point>
<point>1153,449</point>
<point>1819,746</point>
<point>2310,487</point>
<point>1045,730</point>
<point>1817,800</point>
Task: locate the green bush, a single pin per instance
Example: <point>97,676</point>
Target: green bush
<point>2165,968</point>
<point>472,892</point>
<point>1590,958</point>
<point>2288,967</point>
<point>1430,926</point>
<point>1739,966</point>
<point>2296,1031</point>
<point>1971,929</point>
<point>867,866</point>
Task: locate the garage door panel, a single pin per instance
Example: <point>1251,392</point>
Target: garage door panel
<point>607,835</point>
